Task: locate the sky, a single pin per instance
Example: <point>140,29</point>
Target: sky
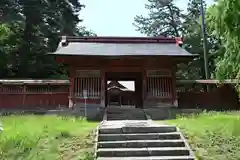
<point>115,17</point>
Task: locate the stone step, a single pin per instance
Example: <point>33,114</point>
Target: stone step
<point>146,136</point>
<point>124,109</point>
<point>117,119</point>
<point>160,129</point>
<point>131,152</point>
<point>125,118</point>
<point>124,115</point>
<point>131,115</point>
<point>112,116</point>
<point>119,114</point>
<point>126,112</point>
<point>149,158</point>
<point>141,143</point>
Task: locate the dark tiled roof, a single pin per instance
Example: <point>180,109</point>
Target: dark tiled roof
<point>120,39</point>
<point>116,84</point>
<point>120,46</point>
<point>34,82</point>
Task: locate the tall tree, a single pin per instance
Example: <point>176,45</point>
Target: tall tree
<point>224,23</point>
<point>37,26</point>
<point>193,42</point>
<point>164,19</point>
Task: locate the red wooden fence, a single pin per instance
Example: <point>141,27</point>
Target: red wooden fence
<point>30,94</point>
<point>221,96</point>
<point>50,94</point>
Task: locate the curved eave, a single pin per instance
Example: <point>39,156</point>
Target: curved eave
<point>121,49</point>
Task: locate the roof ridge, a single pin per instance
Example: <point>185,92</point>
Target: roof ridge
<point>121,46</point>
<point>108,39</point>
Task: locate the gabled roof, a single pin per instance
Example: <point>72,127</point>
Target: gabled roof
<point>119,86</point>
<point>121,46</point>
<point>33,82</point>
<point>115,84</point>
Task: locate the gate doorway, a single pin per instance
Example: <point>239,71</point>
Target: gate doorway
<point>120,96</point>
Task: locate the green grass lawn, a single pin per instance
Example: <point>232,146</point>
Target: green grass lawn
<point>31,137</point>
<point>213,135</point>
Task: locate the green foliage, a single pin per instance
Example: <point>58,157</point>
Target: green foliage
<point>224,22</point>
<point>45,137</point>
<point>164,19</point>
<point>9,42</point>
<point>32,29</point>
<point>212,135</point>
<point>193,42</point>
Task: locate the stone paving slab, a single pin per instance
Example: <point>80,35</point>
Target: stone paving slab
<point>146,151</point>
<point>146,136</point>
<point>143,149</point>
<point>127,129</point>
<point>130,141</point>
<point>130,123</point>
<point>149,158</point>
<point>141,143</point>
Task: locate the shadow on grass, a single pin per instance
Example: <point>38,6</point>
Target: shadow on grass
<point>64,113</point>
<point>170,113</point>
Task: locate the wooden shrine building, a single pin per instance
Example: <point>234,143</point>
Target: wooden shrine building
<point>120,95</point>
<point>148,61</point>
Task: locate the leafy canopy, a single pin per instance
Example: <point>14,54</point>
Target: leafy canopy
<point>224,22</point>
<point>30,29</point>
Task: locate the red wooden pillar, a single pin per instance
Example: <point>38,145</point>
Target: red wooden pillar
<point>72,71</point>
<point>102,99</point>
<point>144,92</point>
<point>174,88</point>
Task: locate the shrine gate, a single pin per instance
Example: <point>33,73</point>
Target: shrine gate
<point>148,61</point>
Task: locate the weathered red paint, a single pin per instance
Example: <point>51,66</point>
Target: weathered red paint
<point>33,93</point>
<point>224,97</point>
<point>174,91</point>
<point>31,101</point>
<point>123,64</point>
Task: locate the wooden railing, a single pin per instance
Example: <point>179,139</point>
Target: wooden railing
<point>49,94</point>
<point>32,93</point>
<point>159,84</point>
<point>88,80</point>
<point>91,84</point>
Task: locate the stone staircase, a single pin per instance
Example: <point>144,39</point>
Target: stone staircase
<point>141,140</point>
<point>125,113</point>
